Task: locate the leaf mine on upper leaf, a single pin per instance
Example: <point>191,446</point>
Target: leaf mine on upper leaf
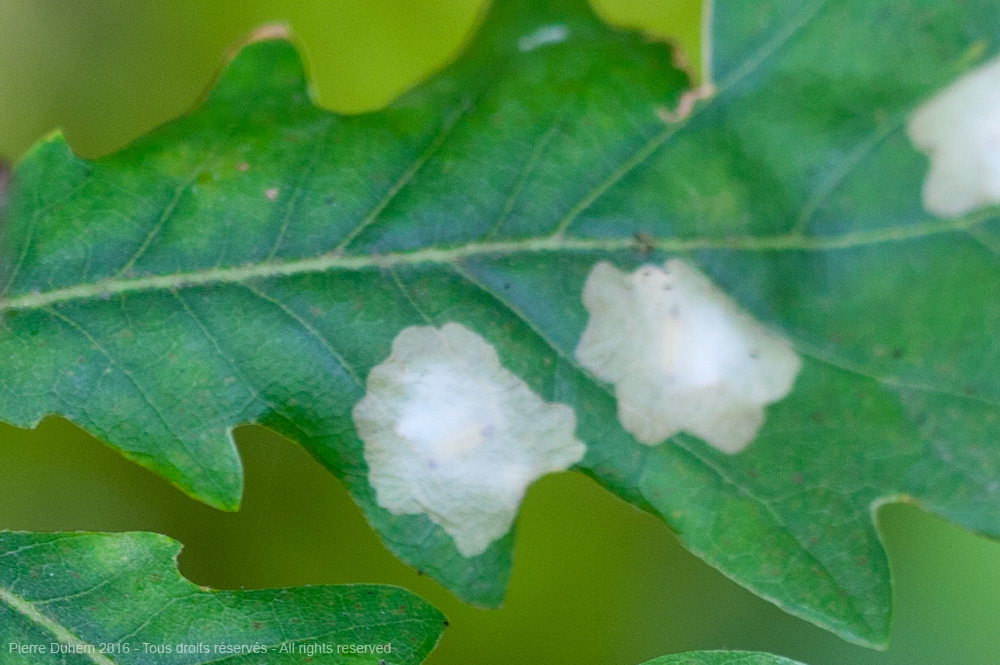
<point>451,433</point>
<point>959,129</point>
<point>682,355</point>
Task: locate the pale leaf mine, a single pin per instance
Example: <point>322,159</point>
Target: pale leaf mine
<point>450,433</point>
<point>959,130</point>
<point>682,355</point>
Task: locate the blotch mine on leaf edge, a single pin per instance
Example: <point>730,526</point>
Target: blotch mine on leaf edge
<point>959,130</point>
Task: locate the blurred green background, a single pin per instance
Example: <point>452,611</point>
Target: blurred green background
<point>595,581</point>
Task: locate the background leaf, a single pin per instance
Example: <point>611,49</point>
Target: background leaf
<point>251,262</point>
<point>722,658</point>
<point>85,590</point>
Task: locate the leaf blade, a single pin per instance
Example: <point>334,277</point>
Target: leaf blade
<point>85,590</point>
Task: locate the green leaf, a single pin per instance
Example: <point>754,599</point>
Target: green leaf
<point>252,262</point>
<point>721,658</point>
<point>118,598</point>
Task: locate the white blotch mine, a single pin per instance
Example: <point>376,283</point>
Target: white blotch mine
<point>682,355</point>
<point>549,34</point>
<point>451,433</point>
<point>959,130</point>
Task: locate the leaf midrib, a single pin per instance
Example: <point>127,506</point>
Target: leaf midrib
<point>336,261</point>
<point>65,636</point>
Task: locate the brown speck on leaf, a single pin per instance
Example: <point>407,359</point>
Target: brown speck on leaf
<point>644,243</point>
<point>685,105</point>
<point>256,625</point>
<point>271,194</point>
<point>242,167</point>
<point>818,418</point>
<point>797,479</point>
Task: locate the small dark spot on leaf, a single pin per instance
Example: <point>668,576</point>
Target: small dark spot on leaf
<point>329,200</point>
<point>256,625</point>
<point>643,243</point>
<point>897,353</point>
<point>204,178</point>
<point>818,418</point>
<point>446,623</point>
<point>797,479</point>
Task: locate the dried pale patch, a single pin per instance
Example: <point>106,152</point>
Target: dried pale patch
<point>450,433</point>
<point>682,355</point>
<point>544,36</point>
<point>959,130</point>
